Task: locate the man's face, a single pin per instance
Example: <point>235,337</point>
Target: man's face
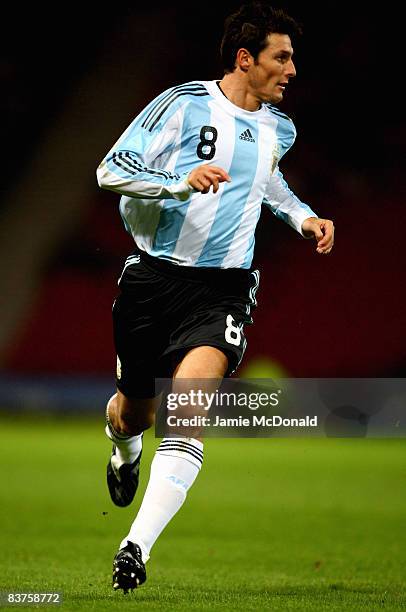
<point>270,74</point>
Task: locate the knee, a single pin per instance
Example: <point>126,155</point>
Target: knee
<point>131,416</point>
<point>133,419</point>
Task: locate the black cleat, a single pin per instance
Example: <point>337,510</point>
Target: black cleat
<point>128,568</point>
<point>122,481</point>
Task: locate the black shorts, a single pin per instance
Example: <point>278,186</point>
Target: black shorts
<point>163,310</point>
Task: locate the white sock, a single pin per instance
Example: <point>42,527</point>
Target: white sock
<point>127,447</point>
<point>174,468</point>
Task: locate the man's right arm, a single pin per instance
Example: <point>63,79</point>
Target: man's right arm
<point>132,167</point>
<point>126,174</point>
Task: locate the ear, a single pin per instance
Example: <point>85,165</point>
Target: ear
<point>244,59</point>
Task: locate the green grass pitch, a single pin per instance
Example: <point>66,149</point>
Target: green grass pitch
<point>284,524</point>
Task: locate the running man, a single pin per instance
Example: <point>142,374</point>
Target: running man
<point>193,171</point>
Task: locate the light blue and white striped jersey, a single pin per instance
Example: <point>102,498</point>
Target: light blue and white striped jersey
<point>184,127</point>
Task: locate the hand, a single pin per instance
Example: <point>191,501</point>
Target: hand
<point>322,230</point>
<point>203,177</point>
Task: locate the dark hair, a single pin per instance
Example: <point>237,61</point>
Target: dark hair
<point>249,27</point>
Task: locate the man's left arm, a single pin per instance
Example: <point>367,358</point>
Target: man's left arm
<point>287,206</point>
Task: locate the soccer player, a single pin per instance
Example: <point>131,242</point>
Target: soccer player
<point>193,170</point>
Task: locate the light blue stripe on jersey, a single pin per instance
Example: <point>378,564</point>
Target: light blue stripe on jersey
<point>233,201</point>
<point>285,133</point>
<point>173,212</point>
<point>250,252</point>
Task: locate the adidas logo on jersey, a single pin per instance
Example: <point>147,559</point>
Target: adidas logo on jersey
<point>247,136</point>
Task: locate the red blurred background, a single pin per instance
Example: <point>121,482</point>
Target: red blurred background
<point>71,88</point>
